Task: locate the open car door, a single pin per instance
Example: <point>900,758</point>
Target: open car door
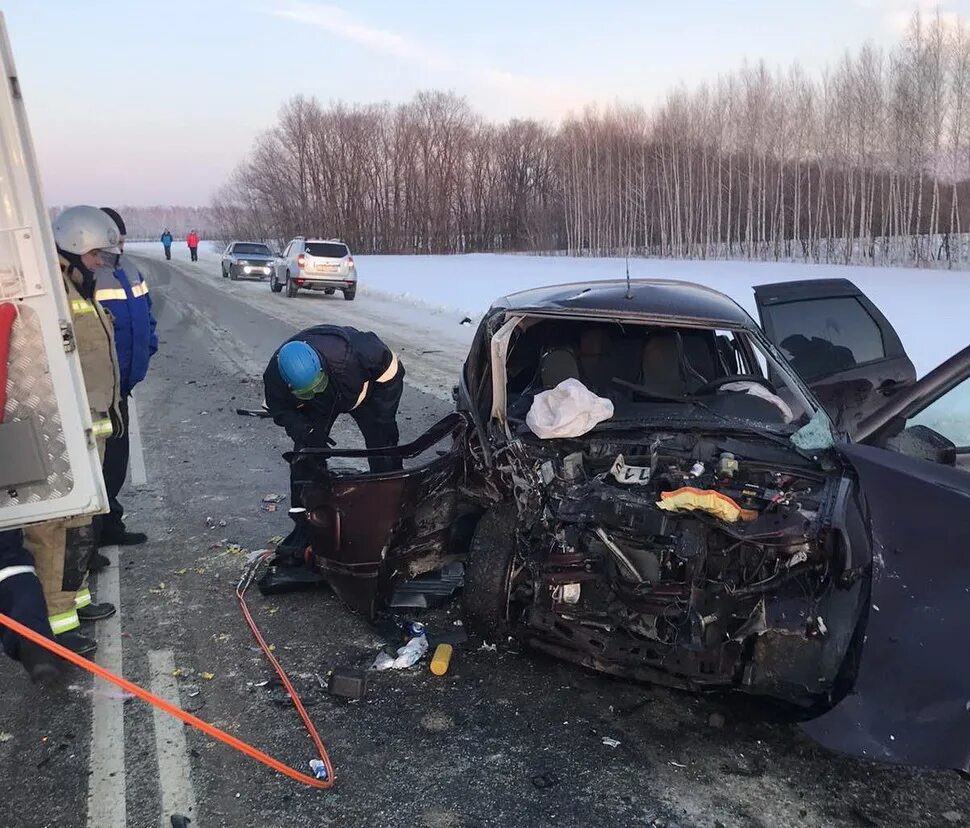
<point>911,697</point>
<point>838,342</point>
<point>369,532</point>
<point>49,466</point>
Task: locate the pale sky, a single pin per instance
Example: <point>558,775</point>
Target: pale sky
<point>132,102</point>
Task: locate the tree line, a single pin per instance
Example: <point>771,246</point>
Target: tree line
<point>147,223</point>
<point>868,163</point>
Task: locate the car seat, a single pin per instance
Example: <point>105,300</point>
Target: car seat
<point>661,364</point>
<point>596,360</point>
<point>556,365</point>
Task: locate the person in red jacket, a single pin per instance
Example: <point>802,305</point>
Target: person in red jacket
<point>192,240</point>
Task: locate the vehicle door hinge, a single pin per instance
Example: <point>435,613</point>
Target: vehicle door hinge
<point>67,337</point>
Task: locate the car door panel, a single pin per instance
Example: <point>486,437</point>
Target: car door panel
<point>910,703</point>
<point>369,532</point>
<point>839,342</point>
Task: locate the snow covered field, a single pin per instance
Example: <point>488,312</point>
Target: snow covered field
<point>430,295</point>
<point>929,309</point>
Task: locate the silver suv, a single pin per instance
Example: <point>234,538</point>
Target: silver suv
<point>315,264</point>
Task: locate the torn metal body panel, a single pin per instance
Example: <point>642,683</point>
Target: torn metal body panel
<point>369,532</point>
<point>910,702</point>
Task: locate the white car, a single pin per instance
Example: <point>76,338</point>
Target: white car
<point>315,264</point>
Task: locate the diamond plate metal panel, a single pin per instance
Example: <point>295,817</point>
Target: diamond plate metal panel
<point>30,393</point>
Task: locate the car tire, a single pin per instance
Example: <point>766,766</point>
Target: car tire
<point>488,574</point>
<point>291,287</point>
<point>274,286</point>
<point>224,274</point>
<point>350,294</point>
<point>232,275</point>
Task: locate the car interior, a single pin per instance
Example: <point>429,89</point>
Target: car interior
<point>635,366</point>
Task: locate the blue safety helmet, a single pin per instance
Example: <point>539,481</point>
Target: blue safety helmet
<point>301,369</point>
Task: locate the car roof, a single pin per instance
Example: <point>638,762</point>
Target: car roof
<point>653,297</point>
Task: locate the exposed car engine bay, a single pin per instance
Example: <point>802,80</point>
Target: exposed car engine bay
<point>672,551</point>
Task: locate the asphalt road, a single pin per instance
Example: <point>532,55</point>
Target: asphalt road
<point>505,738</point>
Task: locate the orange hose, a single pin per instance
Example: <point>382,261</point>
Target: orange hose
<point>188,718</point>
<point>241,588</point>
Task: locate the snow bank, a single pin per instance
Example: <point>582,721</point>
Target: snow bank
<point>927,308</point>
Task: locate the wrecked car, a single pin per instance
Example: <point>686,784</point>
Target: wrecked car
<point>774,509</point>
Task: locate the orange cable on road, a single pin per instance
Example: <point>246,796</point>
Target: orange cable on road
<point>188,718</point>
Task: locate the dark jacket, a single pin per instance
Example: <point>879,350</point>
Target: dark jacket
<point>123,291</point>
<point>351,358</point>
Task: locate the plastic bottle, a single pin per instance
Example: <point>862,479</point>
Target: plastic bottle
<point>441,659</point>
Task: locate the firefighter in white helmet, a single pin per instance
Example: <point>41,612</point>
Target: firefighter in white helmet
<point>62,548</point>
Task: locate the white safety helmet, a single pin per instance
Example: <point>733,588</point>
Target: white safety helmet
<point>81,229</point>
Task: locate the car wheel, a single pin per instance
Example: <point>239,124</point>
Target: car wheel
<point>224,274</point>
<point>291,286</point>
<point>350,294</point>
<point>498,585</point>
<point>233,276</point>
<point>274,286</point>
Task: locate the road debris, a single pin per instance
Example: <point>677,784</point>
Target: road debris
<point>319,768</point>
<point>347,683</point>
<point>4,736</point>
<point>441,659</point>
<point>208,676</point>
<point>611,742</point>
<point>407,656</point>
<point>677,764</point>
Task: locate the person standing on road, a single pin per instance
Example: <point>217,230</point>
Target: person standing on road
<point>192,240</point>
<point>123,292</point>
<point>328,370</point>
<point>315,376</point>
<point>167,243</point>
<point>63,548</point>
<point>22,599</point>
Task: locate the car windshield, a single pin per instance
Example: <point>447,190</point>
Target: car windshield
<point>249,249</point>
<point>664,376</point>
<point>327,250</point>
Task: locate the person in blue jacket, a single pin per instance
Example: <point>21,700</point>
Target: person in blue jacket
<point>167,243</point>
<point>22,599</point>
<point>122,290</point>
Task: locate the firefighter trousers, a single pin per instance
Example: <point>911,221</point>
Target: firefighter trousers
<point>62,550</point>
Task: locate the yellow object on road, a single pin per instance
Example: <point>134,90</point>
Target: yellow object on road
<point>441,659</point>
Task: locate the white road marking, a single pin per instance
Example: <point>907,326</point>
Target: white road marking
<point>106,784</point>
<point>136,456</point>
<point>175,783</point>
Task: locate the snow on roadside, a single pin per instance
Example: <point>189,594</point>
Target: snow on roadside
<point>928,308</point>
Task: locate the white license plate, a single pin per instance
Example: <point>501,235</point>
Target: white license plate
<point>327,268</point>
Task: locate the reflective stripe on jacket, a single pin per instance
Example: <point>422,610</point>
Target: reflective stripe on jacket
<point>94,339</point>
<point>123,292</point>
